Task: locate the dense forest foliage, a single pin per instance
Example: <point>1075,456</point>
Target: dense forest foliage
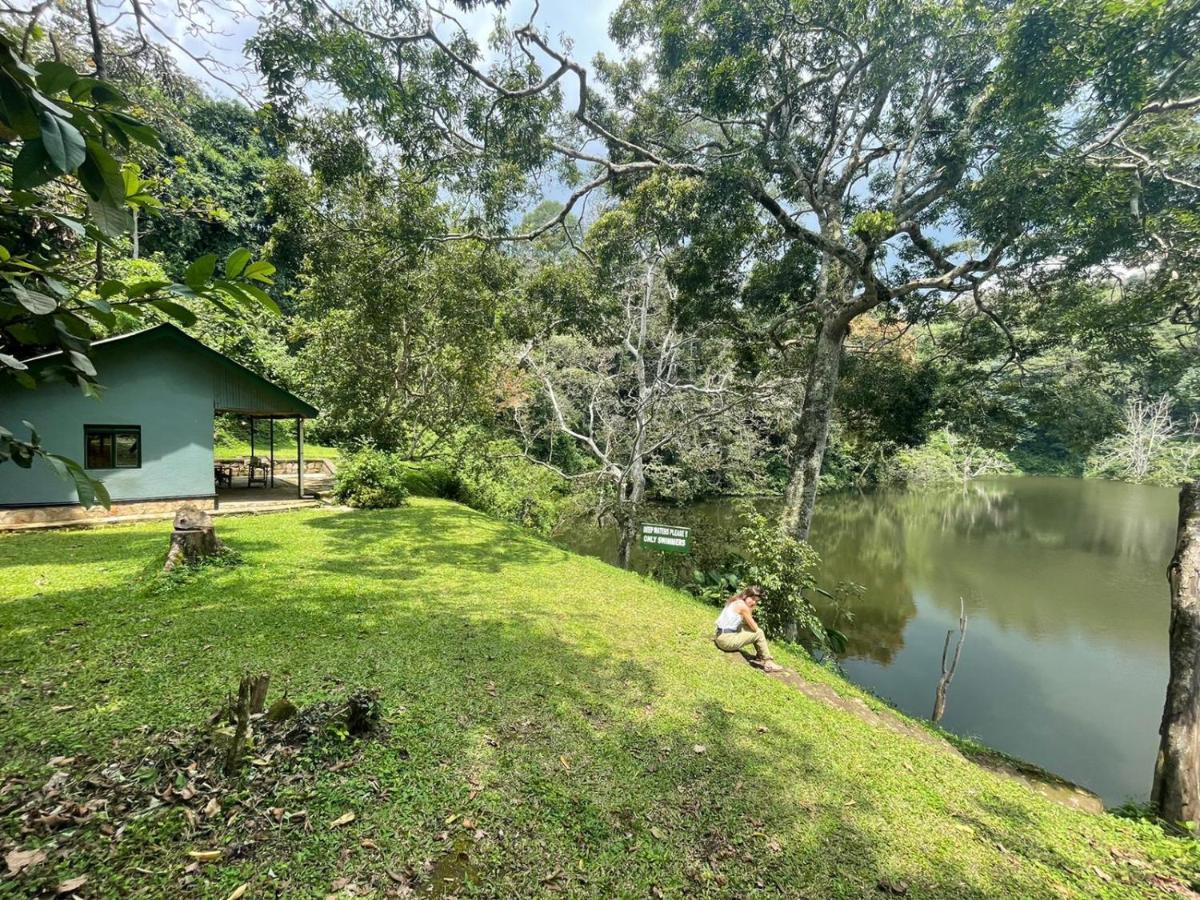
<point>696,275</point>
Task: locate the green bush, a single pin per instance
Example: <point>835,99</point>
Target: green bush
<point>429,478</point>
<point>785,568</point>
<point>946,458</point>
<point>370,478</point>
<point>496,478</point>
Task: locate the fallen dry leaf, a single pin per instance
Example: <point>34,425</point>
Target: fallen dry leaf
<point>657,832</point>
<point>205,855</point>
<point>699,748</point>
<point>565,763</point>
<point>239,891</point>
<point>60,761</point>
<point>19,860</point>
<point>71,885</point>
<point>344,819</point>
<point>368,844</point>
<point>60,709</point>
<point>212,808</point>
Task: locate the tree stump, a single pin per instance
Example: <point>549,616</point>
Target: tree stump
<point>194,538</point>
<point>252,695</point>
<point>362,712</point>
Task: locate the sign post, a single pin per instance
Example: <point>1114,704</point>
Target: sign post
<point>667,538</point>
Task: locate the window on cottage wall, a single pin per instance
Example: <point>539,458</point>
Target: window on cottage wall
<point>112,446</point>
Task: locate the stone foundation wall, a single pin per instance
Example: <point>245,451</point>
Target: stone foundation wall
<point>28,516</point>
<point>239,465</point>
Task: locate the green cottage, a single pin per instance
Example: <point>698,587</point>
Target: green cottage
<point>149,438</point>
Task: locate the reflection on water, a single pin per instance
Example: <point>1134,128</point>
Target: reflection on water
<point>1065,661</point>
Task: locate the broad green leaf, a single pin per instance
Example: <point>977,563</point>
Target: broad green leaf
<point>182,290</point>
<point>142,288</point>
<point>101,176</point>
<point>263,298</point>
<point>57,287</point>
<point>35,301</point>
<point>15,110</point>
<point>259,270</point>
<point>133,181</point>
<point>236,263</point>
<point>82,363</point>
<point>55,77</point>
<point>101,310</point>
<point>98,91</point>
<point>176,311</point>
<point>200,271</point>
<point>73,224</point>
<point>110,288</point>
<point>48,105</point>
<point>112,221</point>
<point>236,292</point>
<point>134,128</point>
<point>11,362</point>
<point>63,143</point>
<point>31,168</point>
<point>90,490</point>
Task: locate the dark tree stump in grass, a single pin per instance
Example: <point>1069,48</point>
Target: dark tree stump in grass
<point>194,538</point>
<point>362,713</point>
<point>1176,791</point>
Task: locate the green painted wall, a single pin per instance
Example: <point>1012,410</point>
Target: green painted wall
<point>166,389</point>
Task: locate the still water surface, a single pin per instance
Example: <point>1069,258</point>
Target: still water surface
<point>1065,661</point>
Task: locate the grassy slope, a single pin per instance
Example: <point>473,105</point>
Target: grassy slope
<point>552,699</point>
<point>285,448</point>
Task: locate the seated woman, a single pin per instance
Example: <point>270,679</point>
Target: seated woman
<point>736,628</point>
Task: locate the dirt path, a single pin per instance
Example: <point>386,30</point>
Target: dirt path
<point>1048,785</point>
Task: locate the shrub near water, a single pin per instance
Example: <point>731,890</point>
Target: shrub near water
<point>372,479</point>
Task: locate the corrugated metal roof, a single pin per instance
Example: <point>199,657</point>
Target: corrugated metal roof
<point>235,388</point>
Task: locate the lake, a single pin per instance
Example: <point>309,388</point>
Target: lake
<point>1064,582</point>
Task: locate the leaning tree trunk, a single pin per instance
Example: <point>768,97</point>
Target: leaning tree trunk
<point>1176,791</point>
<point>811,431</point>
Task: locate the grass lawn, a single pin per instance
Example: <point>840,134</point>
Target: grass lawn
<point>553,726</point>
<point>285,448</point>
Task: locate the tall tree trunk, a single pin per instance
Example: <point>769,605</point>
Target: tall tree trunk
<point>811,431</point>
<point>632,492</point>
<point>632,488</point>
<point>1176,790</point>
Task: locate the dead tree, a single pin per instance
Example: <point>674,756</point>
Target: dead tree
<point>1176,791</point>
<point>943,685</point>
<point>194,538</point>
<point>645,386</point>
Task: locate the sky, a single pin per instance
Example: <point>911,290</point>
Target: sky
<point>583,25</point>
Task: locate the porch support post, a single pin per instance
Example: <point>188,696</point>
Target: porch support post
<point>300,457</point>
<point>272,451</point>
<point>252,441</point>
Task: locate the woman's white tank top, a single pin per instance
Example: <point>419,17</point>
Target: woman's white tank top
<point>729,619</point>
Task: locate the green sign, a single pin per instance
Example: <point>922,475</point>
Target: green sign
<point>669,538</point>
